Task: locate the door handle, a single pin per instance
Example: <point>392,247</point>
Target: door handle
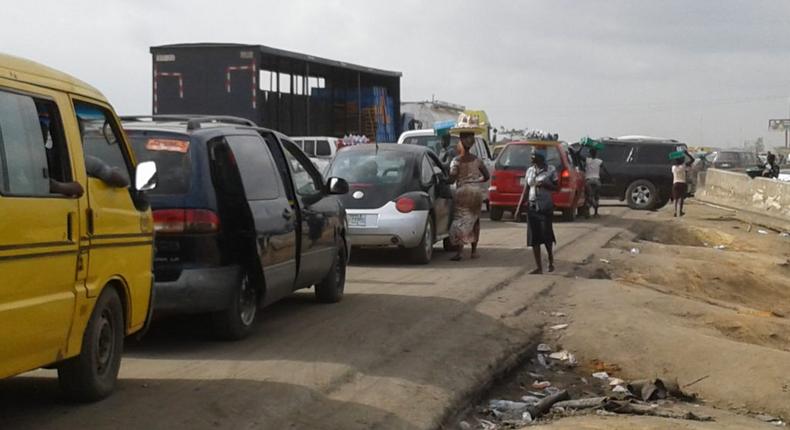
<point>70,226</point>
<point>89,220</point>
<point>287,214</point>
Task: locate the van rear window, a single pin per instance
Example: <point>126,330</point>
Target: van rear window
<point>172,158</point>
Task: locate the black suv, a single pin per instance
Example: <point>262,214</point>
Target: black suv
<point>637,170</point>
<point>242,219</point>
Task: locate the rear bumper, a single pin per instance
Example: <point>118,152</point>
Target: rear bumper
<point>392,228</point>
<point>197,291</point>
<point>562,199</point>
<point>507,200</point>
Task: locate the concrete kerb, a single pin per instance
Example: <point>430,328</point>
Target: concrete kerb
<point>507,362</point>
<point>759,200</point>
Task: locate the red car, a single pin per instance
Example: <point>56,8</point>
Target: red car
<point>507,181</point>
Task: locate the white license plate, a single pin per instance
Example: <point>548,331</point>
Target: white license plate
<point>522,181</point>
<point>362,220</point>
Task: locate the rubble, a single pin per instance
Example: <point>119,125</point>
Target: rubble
<point>554,392</point>
<point>559,327</point>
<point>540,385</point>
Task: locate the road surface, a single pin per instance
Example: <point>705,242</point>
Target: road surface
<point>405,348</point>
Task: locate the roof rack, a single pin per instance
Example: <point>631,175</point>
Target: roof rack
<point>194,122</point>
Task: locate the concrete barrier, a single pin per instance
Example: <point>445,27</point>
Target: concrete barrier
<point>768,199</point>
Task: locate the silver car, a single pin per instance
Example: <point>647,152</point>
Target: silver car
<point>398,197</point>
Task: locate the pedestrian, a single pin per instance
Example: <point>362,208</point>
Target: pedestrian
<point>592,176</point>
<point>771,168</point>
<point>697,166</point>
<point>541,182</point>
<point>680,173</point>
<point>466,170</point>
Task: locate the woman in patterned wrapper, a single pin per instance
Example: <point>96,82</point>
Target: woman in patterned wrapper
<point>466,170</point>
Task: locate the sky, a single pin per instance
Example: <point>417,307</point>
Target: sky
<point>707,72</point>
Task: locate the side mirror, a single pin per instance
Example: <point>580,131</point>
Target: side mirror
<point>145,176</point>
<point>337,186</point>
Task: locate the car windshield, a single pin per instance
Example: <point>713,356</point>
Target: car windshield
<point>434,143</point>
<point>518,157</point>
<point>171,155</point>
<point>357,167</point>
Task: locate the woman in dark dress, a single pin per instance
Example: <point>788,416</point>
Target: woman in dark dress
<point>541,182</point>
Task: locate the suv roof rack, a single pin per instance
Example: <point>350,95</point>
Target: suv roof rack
<point>194,122</point>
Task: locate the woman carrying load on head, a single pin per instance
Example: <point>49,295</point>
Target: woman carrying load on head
<point>466,170</point>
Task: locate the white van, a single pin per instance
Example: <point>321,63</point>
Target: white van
<point>318,147</point>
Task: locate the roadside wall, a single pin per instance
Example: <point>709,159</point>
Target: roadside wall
<point>766,198</point>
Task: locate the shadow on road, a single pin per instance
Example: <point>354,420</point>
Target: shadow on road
<point>414,339</point>
<point>30,403</point>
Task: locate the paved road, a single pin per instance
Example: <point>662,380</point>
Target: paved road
<point>407,345</point>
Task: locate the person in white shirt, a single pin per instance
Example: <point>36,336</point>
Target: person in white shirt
<point>592,175</point>
<point>680,173</point>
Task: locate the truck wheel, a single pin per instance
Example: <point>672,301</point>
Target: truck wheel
<point>237,321</point>
<point>424,251</point>
<point>641,195</point>
<point>330,289</point>
<point>496,212</point>
<point>569,214</point>
<point>92,375</point>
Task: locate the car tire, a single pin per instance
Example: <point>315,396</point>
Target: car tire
<point>569,214</point>
<point>661,203</point>
<point>423,252</point>
<point>92,375</point>
<point>496,212</point>
<point>331,288</point>
<point>237,321</point>
<point>641,195</point>
<point>583,211</point>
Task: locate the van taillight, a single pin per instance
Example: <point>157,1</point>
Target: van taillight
<point>565,178</point>
<point>404,205</point>
<point>185,221</point>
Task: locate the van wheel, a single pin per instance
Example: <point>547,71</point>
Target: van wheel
<point>237,321</point>
<point>331,288</point>
<point>496,212</point>
<point>424,251</point>
<point>641,195</point>
<point>92,375</point>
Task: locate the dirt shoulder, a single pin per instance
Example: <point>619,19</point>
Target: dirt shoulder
<point>703,300</point>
